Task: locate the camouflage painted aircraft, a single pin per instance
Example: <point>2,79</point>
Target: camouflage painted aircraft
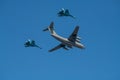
<point>64,12</point>
<point>31,43</point>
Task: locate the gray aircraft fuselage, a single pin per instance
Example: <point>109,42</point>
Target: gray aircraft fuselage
<point>67,42</point>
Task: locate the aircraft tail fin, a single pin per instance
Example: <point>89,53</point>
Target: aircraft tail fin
<point>50,28</point>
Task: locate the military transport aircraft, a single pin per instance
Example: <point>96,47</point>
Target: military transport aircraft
<point>31,43</point>
<point>64,12</point>
<point>66,43</point>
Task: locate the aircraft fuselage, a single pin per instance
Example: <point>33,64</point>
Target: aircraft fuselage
<point>67,42</point>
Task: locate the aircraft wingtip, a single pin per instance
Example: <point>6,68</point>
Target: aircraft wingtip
<point>77,26</point>
<point>52,22</point>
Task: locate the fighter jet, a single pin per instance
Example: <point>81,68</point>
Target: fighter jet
<point>64,12</point>
<point>31,43</point>
<point>72,40</point>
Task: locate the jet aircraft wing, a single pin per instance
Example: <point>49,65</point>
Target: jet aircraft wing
<point>58,47</point>
<point>73,36</point>
<point>67,12</point>
<point>55,48</point>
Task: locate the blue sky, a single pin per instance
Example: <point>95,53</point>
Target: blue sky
<point>99,22</point>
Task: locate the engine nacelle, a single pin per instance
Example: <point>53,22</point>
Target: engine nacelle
<point>69,46</point>
<point>77,40</point>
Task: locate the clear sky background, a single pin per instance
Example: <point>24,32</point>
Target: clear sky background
<point>99,22</point>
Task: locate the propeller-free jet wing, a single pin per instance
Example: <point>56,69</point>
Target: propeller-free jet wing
<point>64,12</point>
<point>31,43</point>
<point>72,40</point>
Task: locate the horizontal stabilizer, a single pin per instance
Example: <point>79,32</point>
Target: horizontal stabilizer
<point>46,29</point>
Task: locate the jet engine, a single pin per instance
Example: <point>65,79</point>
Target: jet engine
<point>78,38</point>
